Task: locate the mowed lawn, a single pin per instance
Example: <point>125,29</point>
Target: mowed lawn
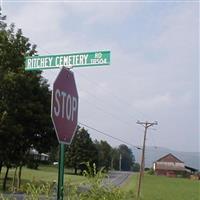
<point>164,188</point>
<point>43,174</point>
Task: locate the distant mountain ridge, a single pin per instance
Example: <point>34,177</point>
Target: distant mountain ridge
<point>191,159</point>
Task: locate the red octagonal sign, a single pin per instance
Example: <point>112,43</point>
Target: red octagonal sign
<point>64,106</point>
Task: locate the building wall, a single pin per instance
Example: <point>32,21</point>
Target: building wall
<point>169,173</point>
<point>176,164</point>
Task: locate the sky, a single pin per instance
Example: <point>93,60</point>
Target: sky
<point>154,70</point>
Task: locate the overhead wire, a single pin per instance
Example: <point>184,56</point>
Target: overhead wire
<point>110,114</point>
<point>108,135</point>
<point>103,110</point>
<point>117,98</point>
<point>120,100</point>
<point>99,107</point>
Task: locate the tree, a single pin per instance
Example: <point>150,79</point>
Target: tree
<point>24,102</point>
<point>136,167</point>
<point>81,150</point>
<point>104,154</point>
<point>115,158</point>
<point>127,158</point>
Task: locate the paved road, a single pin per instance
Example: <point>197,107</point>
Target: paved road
<point>117,178</point>
<point>22,197</point>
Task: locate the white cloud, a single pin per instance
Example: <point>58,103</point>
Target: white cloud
<point>163,102</point>
<point>179,34</point>
<point>40,22</point>
<point>153,87</point>
<point>104,12</point>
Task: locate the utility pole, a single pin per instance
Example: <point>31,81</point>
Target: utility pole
<point>120,162</point>
<point>146,126</point>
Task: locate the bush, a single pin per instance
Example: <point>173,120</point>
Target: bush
<point>146,169</point>
<point>136,167</point>
<point>151,172</point>
<point>35,189</point>
<point>32,164</point>
<point>97,190</point>
<point>44,162</point>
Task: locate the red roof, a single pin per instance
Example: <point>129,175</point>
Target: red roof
<point>169,158</point>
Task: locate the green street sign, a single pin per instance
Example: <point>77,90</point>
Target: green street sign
<point>86,59</point>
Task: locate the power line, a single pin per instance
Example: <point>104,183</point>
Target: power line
<point>116,98</point>
<point>100,100</point>
<point>114,116</point>
<point>118,107</point>
<point>108,135</point>
<point>108,113</point>
<point>100,108</point>
<point>120,100</point>
<point>105,112</point>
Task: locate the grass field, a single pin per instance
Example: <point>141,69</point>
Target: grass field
<point>164,188</point>
<point>153,187</point>
<point>44,173</point>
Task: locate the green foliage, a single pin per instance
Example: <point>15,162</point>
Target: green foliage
<point>24,101</point>
<point>32,165</point>
<point>2,197</point>
<point>97,190</point>
<point>115,159</point>
<point>151,172</point>
<point>127,158</point>
<point>34,190</point>
<point>81,150</point>
<point>91,189</point>
<point>54,154</point>
<point>136,167</point>
<point>71,191</point>
<point>104,154</point>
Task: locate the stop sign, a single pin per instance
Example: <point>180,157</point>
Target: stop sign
<point>64,106</point>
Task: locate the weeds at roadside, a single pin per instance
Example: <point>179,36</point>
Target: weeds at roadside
<point>92,189</point>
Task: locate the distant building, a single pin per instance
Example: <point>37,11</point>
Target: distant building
<point>170,165</point>
<point>37,156</point>
<point>44,157</point>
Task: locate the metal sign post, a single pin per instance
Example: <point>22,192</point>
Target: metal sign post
<point>60,191</point>
<point>64,113</point>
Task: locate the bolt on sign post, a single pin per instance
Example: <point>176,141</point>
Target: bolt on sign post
<point>64,113</point>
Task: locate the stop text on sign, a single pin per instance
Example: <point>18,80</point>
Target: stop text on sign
<point>68,60</point>
<point>65,105</point>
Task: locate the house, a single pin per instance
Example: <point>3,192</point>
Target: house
<point>37,156</point>
<point>44,157</point>
<point>170,165</point>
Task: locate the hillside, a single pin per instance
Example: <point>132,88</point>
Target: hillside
<point>191,159</point>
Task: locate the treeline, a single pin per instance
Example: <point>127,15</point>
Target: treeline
<point>83,149</point>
